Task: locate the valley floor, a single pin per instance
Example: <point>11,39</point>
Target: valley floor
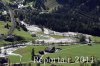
<point>66,52</point>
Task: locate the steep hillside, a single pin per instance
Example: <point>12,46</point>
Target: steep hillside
<point>64,15</point>
<point>78,16</point>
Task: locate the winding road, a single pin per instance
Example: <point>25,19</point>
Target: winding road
<point>11,13</point>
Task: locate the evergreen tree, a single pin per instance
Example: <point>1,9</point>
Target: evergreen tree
<point>33,54</point>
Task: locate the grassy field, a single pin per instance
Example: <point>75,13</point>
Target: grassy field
<point>49,64</point>
<point>67,51</point>
<point>2,42</point>
<point>59,64</point>
<point>23,34</point>
<point>2,29</point>
<point>96,39</point>
<point>77,51</point>
<point>64,64</point>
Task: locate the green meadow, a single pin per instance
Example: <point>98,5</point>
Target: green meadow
<point>66,52</point>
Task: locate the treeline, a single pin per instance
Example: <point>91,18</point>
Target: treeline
<point>62,21</point>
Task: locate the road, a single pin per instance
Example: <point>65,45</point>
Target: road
<point>12,18</point>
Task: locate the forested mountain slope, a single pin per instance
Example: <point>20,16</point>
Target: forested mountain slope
<point>71,15</point>
<point>64,15</point>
